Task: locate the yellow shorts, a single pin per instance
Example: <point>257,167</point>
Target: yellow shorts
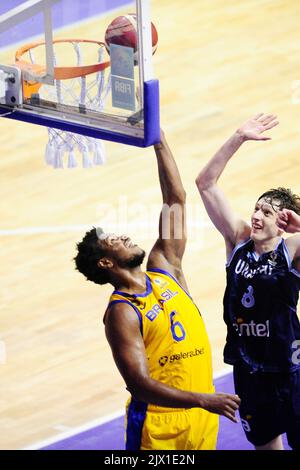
<point>188,429</point>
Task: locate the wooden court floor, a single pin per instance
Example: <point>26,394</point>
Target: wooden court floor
<point>218,62</point>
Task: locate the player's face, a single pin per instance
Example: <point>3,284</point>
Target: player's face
<point>122,249</point>
<point>263,220</point>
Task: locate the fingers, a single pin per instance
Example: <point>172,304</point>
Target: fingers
<point>237,399</point>
<point>285,213</point>
<point>264,118</point>
<point>257,116</point>
<point>231,408</point>
<point>267,118</point>
<point>282,225</point>
<point>282,218</point>
<point>224,404</point>
<point>231,400</point>
<point>233,405</point>
<point>230,414</point>
<point>270,125</point>
<point>268,121</point>
<point>232,417</point>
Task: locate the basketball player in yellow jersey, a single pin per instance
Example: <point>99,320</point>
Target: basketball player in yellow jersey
<point>155,330</point>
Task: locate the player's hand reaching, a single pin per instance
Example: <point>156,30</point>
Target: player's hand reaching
<point>288,221</point>
<point>224,404</point>
<point>256,126</point>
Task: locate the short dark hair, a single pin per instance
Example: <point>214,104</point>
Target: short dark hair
<point>88,255</point>
<point>287,199</point>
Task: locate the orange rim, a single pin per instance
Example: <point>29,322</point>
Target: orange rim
<point>60,73</point>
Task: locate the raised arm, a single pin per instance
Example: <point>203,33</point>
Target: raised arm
<point>122,330</point>
<point>168,250</point>
<point>231,227</point>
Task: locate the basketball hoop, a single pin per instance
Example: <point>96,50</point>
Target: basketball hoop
<point>79,85</point>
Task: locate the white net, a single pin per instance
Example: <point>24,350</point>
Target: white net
<point>88,92</point>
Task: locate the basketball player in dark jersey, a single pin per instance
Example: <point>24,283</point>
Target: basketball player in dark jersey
<point>260,301</point>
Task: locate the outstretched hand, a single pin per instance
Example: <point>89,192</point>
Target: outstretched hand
<point>224,404</point>
<point>288,221</point>
<point>254,128</point>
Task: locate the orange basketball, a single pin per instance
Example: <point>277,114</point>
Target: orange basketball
<point>123,32</point>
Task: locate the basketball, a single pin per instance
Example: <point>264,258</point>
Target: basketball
<point>123,32</point>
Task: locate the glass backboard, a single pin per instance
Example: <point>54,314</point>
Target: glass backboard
<point>81,66</point>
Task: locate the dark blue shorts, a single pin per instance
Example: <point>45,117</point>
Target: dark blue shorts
<point>270,405</point>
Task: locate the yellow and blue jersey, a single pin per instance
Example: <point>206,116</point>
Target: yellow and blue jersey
<point>178,353</point>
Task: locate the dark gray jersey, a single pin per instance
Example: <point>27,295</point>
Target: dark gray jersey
<point>260,309</point>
